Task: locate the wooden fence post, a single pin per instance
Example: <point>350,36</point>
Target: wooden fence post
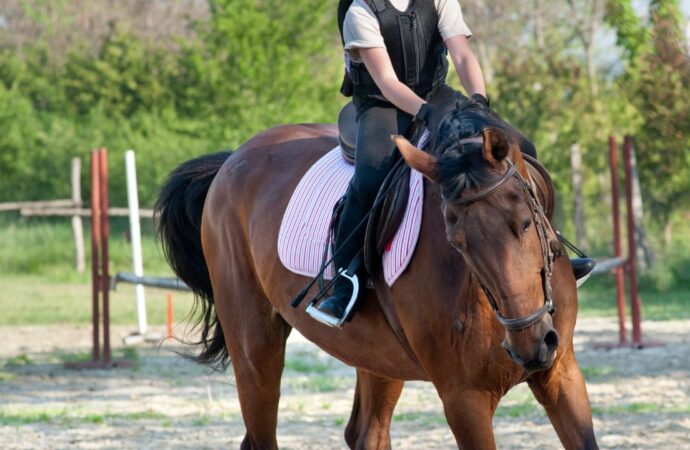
<point>77,225</point>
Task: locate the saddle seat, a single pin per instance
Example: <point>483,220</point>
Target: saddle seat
<point>347,132</point>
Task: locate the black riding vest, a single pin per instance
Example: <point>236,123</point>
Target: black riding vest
<point>414,44</point>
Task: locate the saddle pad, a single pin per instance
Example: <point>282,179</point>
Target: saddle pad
<point>304,229</point>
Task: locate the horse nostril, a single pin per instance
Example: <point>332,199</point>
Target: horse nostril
<point>551,340</point>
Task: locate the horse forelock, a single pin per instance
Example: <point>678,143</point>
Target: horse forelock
<point>461,163</point>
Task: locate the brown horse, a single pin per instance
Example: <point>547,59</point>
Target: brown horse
<point>471,313</point>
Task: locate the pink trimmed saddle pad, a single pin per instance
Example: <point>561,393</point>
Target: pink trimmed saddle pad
<point>304,230</point>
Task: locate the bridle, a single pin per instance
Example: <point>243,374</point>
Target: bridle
<point>541,223</point>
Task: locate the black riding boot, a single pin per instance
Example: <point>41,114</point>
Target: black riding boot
<point>354,210</point>
<point>582,265</point>
<point>582,268</point>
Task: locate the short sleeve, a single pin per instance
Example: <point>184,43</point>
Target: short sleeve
<point>450,20</point>
<point>361,29</point>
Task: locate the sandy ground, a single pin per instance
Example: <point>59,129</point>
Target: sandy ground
<point>640,398</point>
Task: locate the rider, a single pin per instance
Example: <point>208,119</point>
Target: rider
<point>396,56</point>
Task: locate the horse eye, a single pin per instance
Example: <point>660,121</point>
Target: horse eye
<point>525,225</point>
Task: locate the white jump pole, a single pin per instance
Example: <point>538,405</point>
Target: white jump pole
<point>135,231</point>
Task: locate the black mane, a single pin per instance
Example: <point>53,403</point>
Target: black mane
<point>462,166</point>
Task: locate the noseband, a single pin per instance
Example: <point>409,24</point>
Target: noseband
<point>541,223</point>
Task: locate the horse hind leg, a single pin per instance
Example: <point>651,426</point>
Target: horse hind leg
<point>372,411</point>
<point>255,337</point>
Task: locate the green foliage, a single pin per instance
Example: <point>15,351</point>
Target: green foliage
<point>251,66</point>
<point>656,84</point>
<point>631,34</point>
<point>126,77</point>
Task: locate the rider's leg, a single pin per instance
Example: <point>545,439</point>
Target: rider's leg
<point>375,154</point>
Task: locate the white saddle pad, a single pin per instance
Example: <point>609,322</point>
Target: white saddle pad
<point>304,229</point>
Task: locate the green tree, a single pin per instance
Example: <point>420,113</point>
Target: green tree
<point>656,83</point>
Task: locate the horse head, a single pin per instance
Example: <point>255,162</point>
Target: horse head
<point>492,217</point>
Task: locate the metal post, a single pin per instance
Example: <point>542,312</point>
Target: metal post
<point>618,252</point>
<point>632,248</point>
<point>135,235</point>
<point>95,246</point>
<point>105,278</point>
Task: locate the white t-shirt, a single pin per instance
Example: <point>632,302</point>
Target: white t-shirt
<point>361,27</point>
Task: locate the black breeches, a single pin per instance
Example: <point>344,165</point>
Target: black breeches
<point>375,155</point>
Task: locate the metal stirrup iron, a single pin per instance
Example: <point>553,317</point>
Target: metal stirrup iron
<point>328,319</point>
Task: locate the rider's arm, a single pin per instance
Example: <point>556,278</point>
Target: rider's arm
<point>466,65</point>
<point>379,66</point>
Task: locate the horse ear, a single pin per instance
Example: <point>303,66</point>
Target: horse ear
<point>418,159</point>
<point>496,145</point>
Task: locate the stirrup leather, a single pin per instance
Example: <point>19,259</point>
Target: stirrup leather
<point>336,322</point>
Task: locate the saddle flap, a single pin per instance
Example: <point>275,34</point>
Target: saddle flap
<point>385,220</point>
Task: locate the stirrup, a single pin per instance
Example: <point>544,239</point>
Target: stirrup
<point>336,322</point>
<point>580,281</point>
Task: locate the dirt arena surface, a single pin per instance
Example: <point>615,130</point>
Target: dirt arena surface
<point>640,398</point>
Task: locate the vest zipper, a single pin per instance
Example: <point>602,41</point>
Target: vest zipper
<point>417,50</point>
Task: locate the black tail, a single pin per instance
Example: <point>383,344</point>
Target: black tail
<point>178,208</point>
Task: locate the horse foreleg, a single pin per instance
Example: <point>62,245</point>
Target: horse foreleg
<point>562,392</point>
<point>375,400</point>
<point>469,413</point>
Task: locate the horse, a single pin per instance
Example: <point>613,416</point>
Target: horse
<point>487,302</point>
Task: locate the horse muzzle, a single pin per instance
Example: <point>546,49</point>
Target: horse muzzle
<point>533,353</point>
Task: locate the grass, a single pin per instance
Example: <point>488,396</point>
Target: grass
<point>130,354</point>
<point>640,408</point>
<point>598,371</point>
<point>598,299</point>
<point>518,402</point>
<point>39,286</point>
<point>70,416</point>
<point>19,361</point>
<point>318,383</point>
<point>36,300</point>
<point>45,247</point>
<point>306,362</point>
<point>425,419</point>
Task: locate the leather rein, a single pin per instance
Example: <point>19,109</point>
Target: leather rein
<point>541,223</point>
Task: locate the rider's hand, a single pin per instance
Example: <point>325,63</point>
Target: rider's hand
<point>424,114</point>
<point>481,99</point>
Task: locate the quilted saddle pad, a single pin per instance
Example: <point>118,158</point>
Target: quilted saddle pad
<point>304,229</point>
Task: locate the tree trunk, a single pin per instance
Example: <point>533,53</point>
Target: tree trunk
<point>645,255</point>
